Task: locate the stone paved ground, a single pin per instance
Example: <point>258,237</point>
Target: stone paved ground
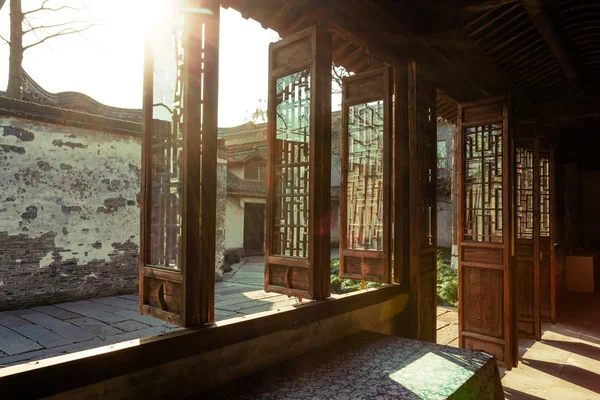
<point>42,332</point>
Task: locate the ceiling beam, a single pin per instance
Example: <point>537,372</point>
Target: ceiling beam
<point>546,28</point>
<point>487,5</point>
<point>370,26</point>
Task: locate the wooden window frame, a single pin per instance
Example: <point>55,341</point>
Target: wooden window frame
<point>252,164</point>
<point>317,60</point>
<point>186,297</point>
<point>360,89</point>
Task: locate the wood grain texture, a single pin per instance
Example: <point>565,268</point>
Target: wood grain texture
<point>366,264</point>
<point>487,313</point>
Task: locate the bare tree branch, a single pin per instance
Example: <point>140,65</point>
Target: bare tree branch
<point>33,28</point>
<point>2,3</point>
<point>44,8</point>
<point>3,38</point>
<point>64,32</point>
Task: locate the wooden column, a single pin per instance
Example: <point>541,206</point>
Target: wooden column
<point>401,178</point>
<point>422,166</point>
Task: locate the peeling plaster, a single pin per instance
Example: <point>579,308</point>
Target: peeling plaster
<point>66,199</point>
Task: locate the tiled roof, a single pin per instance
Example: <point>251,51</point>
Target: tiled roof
<point>238,185</point>
<point>237,157</point>
<point>33,92</point>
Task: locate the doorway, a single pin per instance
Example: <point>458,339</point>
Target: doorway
<point>254,228</point>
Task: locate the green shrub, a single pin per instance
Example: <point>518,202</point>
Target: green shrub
<point>447,281</point>
<point>340,286</point>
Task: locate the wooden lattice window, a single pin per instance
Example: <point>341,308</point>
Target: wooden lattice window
<point>365,189</point>
<point>545,222</point>
<point>483,150</point>
<point>179,166</point>
<point>524,189</point>
<point>298,165</point>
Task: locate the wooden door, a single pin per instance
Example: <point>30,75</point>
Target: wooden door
<point>254,228</point>
<point>298,207</point>
<point>365,212</point>
<point>547,232</point>
<point>422,131</point>
<point>527,231</point>
<point>179,163</point>
<point>486,305</point>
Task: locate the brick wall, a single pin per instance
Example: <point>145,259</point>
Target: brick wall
<point>69,220</point>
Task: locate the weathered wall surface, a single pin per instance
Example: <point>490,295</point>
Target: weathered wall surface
<point>234,220</point>
<point>221,213</point>
<point>69,220</point>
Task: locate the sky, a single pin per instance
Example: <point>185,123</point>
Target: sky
<point>106,61</point>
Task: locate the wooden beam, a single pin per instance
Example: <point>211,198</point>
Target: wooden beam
<point>546,28</point>
<point>487,5</point>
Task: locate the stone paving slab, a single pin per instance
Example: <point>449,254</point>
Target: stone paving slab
<point>46,353</point>
<point>65,329</point>
<point>118,302</point>
<point>15,344</point>
<point>93,311</point>
<point>130,326</point>
<point>11,321</point>
<point>45,337</point>
<point>56,312</point>
<point>127,314</point>
<point>95,326</point>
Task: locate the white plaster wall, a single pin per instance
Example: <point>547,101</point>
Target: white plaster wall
<point>237,170</point>
<point>234,220</point>
<point>59,179</point>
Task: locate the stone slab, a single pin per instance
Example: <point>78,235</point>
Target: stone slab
<point>129,314</point>
<point>91,311</point>
<point>56,312</point>
<point>96,327</point>
<point>41,335</point>
<point>118,302</point>
<point>65,329</point>
<point>130,326</point>
<point>16,344</point>
<point>4,331</point>
<point>10,321</point>
<point>46,353</point>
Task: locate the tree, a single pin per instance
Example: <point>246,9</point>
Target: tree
<point>20,26</point>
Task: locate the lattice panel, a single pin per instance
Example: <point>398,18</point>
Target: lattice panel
<point>166,147</point>
<point>524,192</point>
<point>483,149</point>
<point>365,177</point>
<point>291,165</point>
<point>545,195</point>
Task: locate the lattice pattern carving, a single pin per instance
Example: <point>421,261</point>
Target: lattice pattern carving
<point>167,147</point>
<point>524,192</point>
<point>545,195</point>
<point>291,165</point>
<point>483,149</point>
<point>365,177</point>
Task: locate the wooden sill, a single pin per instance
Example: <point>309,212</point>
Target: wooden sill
<point>63,373</point>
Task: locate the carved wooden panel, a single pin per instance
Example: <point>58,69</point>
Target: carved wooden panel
<point>547,257</point>
<point>298,165</point>
<point>486,296</point>
<point>527,230</point>
<point>483,183</point>
<point>482,303</point>
<point>524,207</point>
<point>365,215</point>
